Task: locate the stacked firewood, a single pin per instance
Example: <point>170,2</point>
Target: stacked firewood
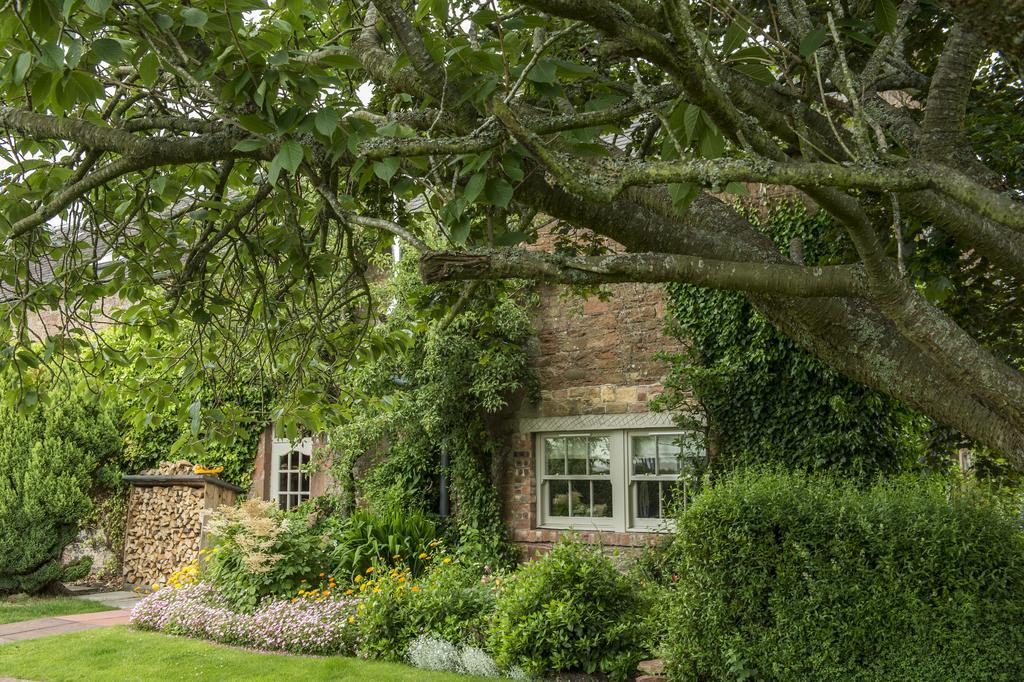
<point>164,527</point>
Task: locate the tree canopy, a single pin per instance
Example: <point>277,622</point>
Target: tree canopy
<point>246,166</point>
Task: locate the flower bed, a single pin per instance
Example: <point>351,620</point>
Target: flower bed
<point>301,625</point>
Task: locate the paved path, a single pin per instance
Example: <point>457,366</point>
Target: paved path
<point>59,625</point>
<point>121,602</point>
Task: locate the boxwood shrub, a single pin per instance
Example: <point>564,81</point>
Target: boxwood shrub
<point>784,576</point>
<point>570,611</point>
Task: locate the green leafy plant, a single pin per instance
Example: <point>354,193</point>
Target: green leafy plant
<point>451,601</point>
<point>48,463</point>
<point>787,576</point>
<point>392,539</point>
<point>261,551</point>
<point>572,610</point>
<point>766,400</point>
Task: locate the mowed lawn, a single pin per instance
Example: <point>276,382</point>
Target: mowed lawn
<point>118,654</point>
<point>27,608</point>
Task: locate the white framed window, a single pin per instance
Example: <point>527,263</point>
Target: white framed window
<point>289,477</point>
<point>613,479</point>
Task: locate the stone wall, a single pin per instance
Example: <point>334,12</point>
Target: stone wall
<point>593,357</point>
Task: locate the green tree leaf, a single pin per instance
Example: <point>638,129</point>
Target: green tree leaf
<point>108,49</point>
<point>385,169</point>
<point>194,17</point>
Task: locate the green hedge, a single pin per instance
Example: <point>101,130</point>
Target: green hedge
<point>784,576</point>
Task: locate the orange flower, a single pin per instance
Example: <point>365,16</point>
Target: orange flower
<point>415,588</point>
<point>370,569</point>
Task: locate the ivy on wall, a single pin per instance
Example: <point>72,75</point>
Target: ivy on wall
<point>767,400</point>
<point>436,397</point>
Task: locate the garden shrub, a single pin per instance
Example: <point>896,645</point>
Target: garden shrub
<point>452,602</point>
<point>48,463</point>
<point>397,539</point>
<point>261,551</point>
<point>786,576</point>
<point>572,610</point>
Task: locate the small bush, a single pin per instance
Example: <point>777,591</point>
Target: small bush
<point>570,611</point>
<point>785,576</point>
<point>261,551</point>
<point>450,602</point>
<point>433,653</point>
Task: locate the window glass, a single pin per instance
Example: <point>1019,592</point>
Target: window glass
<point>579,498</point>
<point>554,450</point>
<point>559,498</point>
<point>602,498</point>
<point>576,455</point>
<point>645,452</point>
<point>600,456</point>
<point>647,499</point>
<point>668,455</point>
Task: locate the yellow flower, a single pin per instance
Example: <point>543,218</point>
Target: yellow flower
<point>327,593</point>
<point>295,599</point>
<point>359,578</point>
<point>376,590</point>
<point>322,575</point>
<point>155,587</point>
<point>348,591</point>
<point>423,555</point>
<point>447,560</point>
<point>351,619</point>
<point>397,557</point>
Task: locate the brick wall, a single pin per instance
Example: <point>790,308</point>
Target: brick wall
<point>593,357</point>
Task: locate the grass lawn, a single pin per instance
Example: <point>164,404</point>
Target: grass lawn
<point>28,608</point>
<point>118,654</point>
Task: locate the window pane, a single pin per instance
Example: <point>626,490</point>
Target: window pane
<point>304,483</point>
<point>602,498</point>
<point>295,459</point>
<point>644,452</point>
<point>554,452</point>
<point>282,482</point>
<point>282,461</point>
<point>600,456</point>
<point>579,498</point>
<point>305,458</point>
<point>668,455</point>
<point>282,501</point>
<point>672,493</point>
<point>558,502</point>
<point>647,493</point>
<point>293,482</point>
<point>577,455</point>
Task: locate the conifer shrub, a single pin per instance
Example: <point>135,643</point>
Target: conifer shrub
<point>787,576</point>
<point>48,463</point>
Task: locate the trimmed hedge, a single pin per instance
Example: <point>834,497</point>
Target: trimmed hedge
<point>785,576</point>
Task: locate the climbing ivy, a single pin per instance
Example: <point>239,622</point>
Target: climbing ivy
<point>767,400</point>
<point>437,396</point>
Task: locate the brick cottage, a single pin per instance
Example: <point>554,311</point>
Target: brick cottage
<point>591,455</point>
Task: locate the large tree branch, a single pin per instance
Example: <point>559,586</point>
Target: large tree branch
<point>1000,23</point>
<point>942,128</point>
<point>764,278</point>
<point>605,182</point>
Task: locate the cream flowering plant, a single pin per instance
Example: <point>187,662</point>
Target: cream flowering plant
<point>263,552</point>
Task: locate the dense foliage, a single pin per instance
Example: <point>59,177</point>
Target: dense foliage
<point>394,539</point>
<point>785,576</point>
<point>571,610</point>
<point>49,462</point>
<point>768,400</point>
<point>433,398</point>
